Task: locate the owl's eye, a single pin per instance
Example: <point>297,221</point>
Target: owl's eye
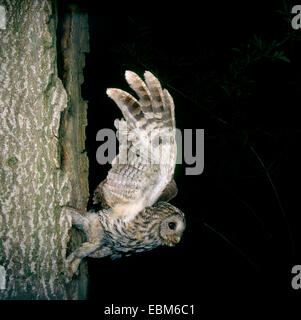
<point>171,225</point>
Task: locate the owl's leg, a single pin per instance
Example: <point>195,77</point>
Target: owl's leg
<point>90,224</point>
<point>102,252</point>
<point>78,219</point>
<point>77,255</point>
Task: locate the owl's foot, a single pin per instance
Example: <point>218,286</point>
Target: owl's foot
<point>84,250</point>
<point>73,264</point>
<point>89,223</point>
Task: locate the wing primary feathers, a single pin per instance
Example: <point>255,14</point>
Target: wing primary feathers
<point>170,110</point>
<point>128,105</point>
<point>154,103</point>
<point>142,91</point>
<point>156,92</point>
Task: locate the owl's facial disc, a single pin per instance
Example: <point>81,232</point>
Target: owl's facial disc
<point>172,229</point>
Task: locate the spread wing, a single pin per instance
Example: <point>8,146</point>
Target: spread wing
<point>143,170</point>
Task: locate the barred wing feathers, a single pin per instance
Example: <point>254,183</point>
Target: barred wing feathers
<point>144,167</point>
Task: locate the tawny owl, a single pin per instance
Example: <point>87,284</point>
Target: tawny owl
<point>136,216</point>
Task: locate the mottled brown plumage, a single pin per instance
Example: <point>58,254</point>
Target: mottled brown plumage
<point>133,218</point>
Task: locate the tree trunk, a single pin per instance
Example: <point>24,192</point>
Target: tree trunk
<point>43,164</point>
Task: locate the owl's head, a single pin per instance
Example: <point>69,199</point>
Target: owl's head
<point>172,224</point>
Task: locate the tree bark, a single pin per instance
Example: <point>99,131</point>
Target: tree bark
<point>40,170</point>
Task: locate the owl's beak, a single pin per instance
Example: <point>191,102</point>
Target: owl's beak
<point>173,240</point>
<point>176,239</point>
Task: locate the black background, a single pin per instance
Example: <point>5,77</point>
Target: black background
<point>242,235</point>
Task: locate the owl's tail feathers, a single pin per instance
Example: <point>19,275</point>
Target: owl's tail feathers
<point>155,105</point>
<point>169,192</point>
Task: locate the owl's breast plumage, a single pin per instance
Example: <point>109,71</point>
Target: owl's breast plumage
<point>129,237</point>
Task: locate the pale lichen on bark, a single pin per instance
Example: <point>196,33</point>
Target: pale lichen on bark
<point>33,186</point>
